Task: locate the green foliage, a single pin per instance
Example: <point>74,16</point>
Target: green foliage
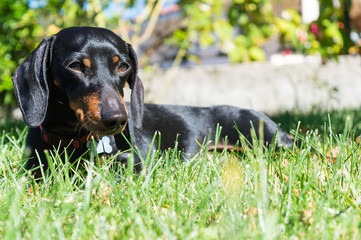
<point>249,24</point>
<point>69,13</point>
<point>241,35</point>
<point>323,37</point>
<point>23,28</point>
<point>254,20</point>
<point>19,34</point>
<point>288,26</point>
<point>240,28</point>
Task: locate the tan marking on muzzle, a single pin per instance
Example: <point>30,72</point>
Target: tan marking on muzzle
<point>87,109</point>
<point>125,106</point>
<point>87,62</point>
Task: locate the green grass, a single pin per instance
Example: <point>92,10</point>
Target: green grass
<point>299,194</point>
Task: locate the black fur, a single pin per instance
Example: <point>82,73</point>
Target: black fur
<point>72,85</point>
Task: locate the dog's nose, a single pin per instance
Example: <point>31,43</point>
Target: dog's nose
<point>114,120</point>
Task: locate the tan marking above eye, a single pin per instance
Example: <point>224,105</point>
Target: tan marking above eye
<point>115,59</point>
<point>87,62</point>
<point>57,83</point>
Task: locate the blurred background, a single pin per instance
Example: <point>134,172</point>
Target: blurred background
<point>269,55</point>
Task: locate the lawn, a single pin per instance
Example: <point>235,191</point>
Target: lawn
<point>309,193</point>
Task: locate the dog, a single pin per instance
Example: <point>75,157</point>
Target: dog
<point>70,90</point>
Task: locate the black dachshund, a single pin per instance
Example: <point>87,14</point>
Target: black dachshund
<point>71,88</point>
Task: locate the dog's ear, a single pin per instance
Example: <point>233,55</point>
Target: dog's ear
<point>31,86</point>
<point>137,95</point>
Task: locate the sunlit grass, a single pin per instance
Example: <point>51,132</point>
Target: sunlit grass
<point>309,193</point>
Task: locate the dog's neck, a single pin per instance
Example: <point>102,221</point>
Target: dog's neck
<point>61,119</point>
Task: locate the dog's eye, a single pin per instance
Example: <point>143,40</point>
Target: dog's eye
<point>76,66</point>
<point>123,67</point>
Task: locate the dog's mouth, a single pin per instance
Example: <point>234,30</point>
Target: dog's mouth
<point>118,130</point>
<point>100,129</point>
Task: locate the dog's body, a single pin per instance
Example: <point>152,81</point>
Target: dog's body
<point>71,86</point>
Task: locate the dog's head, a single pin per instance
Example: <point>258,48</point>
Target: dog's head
<point>90,67</point>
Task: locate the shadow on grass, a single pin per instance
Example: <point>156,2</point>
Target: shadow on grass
<point>12,127</point>
<point>318,119</point>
